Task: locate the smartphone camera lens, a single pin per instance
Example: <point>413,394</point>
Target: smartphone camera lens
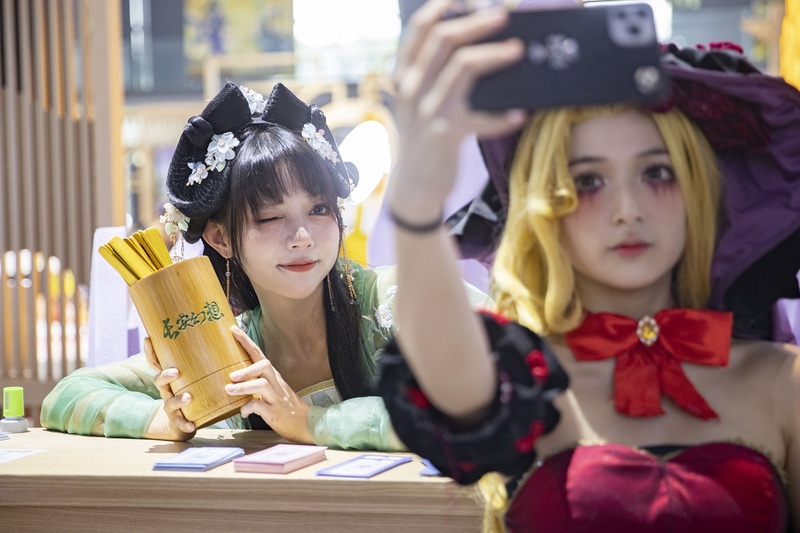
<point>630,26</point>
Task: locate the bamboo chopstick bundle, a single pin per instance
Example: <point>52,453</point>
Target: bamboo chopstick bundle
<point>138,256</point>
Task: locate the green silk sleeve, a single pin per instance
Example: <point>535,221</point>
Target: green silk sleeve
<point>114,400</point>
<point>357,423</point>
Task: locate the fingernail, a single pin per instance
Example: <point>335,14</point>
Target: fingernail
<point>171,372</point>
<point>236,329</point>
<point>188,427</point>
<point>185,397</point>
<point>236,375</point>
<point>230,389</point>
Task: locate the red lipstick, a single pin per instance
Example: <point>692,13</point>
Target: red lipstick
<point>631,249</point>
<point>301,266</point>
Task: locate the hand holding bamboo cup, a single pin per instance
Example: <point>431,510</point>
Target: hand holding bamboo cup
<point>188,319</point>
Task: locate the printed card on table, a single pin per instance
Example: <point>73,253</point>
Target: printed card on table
<point>365,466</point>
<point>199,459</point>
<point>280,459</point>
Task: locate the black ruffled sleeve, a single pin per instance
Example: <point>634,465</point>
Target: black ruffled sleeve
<point>529,379</point>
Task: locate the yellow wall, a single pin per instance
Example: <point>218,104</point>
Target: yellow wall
<point>790,43</point>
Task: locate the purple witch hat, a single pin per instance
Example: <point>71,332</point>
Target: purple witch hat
<point>752,120</point>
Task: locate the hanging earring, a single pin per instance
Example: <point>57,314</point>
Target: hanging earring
<point>348,276</point>
<point>330,292</point>
<point>344,259</point>
<point>228,279</point>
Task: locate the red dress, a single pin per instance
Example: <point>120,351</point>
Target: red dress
<point>596,488</point>
<point>611,487</point>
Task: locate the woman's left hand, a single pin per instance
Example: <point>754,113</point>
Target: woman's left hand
<point>275,401</point>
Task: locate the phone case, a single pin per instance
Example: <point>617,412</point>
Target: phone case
<point>577,56</point>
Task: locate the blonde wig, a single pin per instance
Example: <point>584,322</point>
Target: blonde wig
<point>534,281</point>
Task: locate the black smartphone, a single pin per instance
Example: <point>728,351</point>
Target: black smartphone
<point>577,56</point>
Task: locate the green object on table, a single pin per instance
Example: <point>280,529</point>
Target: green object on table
<point>13,420</point>
<point>13,402</point>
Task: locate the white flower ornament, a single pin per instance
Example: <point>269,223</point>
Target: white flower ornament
<point>220,150</point>
<point>254,100</point>
<point>174,221</point>
<point>199,173</point>
<point>316,139</point>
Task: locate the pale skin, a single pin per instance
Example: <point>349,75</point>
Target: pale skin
<point>630,207</point>
<point>287,250</point>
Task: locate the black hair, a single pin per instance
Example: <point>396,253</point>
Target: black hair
<point>270,162</point>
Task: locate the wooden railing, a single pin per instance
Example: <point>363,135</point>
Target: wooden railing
<point>61,175</point>
<point>45,323</point>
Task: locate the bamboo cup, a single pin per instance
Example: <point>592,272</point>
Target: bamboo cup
<point>188,319</point>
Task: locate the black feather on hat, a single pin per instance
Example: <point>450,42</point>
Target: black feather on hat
<point>198,193</point>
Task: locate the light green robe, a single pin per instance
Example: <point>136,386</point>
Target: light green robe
<point>120,399</point>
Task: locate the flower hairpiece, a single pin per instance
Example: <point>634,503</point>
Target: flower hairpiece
<point>199,173</point>
<point>220,150</point>
<point>174,221</point>
<point>255,100</point>
<point>316,138</point>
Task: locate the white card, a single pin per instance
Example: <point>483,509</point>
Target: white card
<point>365,466</point>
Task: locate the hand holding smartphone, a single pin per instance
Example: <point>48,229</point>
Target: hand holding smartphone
<point>577,56</point>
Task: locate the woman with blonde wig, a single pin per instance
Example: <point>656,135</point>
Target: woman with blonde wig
<point>626,379</point>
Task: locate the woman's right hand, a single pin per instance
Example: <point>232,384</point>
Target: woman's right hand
<point>169,422</point>
<point>438,63</point>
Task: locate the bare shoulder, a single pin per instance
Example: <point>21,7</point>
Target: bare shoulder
<point>762,357</point>
<point>765,377</point>
<point>776,368</point>
<point>770,367</point>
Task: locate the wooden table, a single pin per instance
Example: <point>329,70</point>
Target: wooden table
<point>97,484</point>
